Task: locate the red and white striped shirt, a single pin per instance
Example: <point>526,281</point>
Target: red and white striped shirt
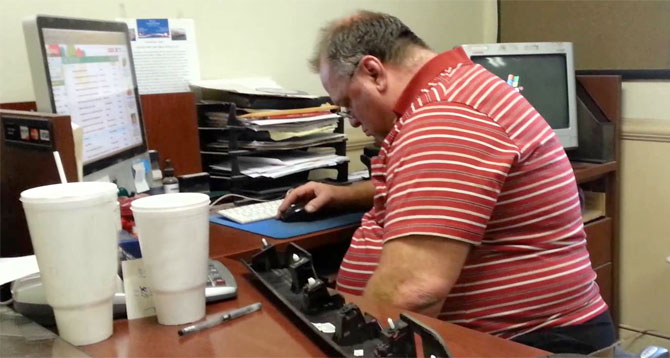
<point>469,159</point>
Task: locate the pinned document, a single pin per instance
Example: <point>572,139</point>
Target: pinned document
<point>141,184</point>
<point>164,53</point>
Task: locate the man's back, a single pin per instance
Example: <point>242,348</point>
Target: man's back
<point>471,160</point>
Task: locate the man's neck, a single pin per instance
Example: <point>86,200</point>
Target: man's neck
<point>419,58</point>
<point>403,74</point>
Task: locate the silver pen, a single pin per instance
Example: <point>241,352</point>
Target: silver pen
<point>220,319</point>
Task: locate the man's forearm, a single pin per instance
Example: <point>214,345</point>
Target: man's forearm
<point>417,272</point>
<point>388,290</point>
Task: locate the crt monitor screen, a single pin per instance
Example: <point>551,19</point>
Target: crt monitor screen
<point>540,78</point>
<point>89,75</point>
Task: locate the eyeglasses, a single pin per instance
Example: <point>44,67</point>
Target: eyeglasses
<point>345,113</point>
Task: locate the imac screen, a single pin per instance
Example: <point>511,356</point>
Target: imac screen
<point>91,79</point>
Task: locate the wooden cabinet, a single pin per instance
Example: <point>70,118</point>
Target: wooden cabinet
<point>604,281</point>
<point>599,244</point>
<point>599,241</point>
<point>172,129</point>
<point>603,233</point>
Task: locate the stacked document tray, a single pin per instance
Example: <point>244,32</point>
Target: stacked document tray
<point>245,151</point>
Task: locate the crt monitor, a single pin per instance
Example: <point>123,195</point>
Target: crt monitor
<point>84,68</point>
<point>543,72</point>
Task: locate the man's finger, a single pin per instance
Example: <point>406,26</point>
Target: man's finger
<point>294,196</point>
<point>319,201</point>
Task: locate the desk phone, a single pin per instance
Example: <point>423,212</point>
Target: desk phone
<point>30,301</point>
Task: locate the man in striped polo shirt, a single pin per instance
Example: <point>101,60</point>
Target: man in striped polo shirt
<point>474,212</point>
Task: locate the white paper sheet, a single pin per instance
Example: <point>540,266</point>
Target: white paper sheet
<point>164,53</point>
<point>270,122</point>
<point>13,268</point>
<point>139,299</point>
<point>325,327</point>
<point>260,86</point>
<point>282,165</point>
<point>141,184</point>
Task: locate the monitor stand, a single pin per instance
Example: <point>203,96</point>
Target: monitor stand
<point>125,174</point>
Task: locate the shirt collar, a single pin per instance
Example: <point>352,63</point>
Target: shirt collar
<point>428,72</point>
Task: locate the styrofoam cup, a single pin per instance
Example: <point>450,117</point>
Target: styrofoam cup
<point>173,231</point>
<point>74,231</point>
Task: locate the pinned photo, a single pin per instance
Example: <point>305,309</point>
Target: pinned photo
<point>153,28</point>
<point>178,34</point>
<point>34,134</point>
<point>44,135</point>
<point>25,133</point>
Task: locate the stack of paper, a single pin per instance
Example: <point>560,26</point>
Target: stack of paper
<point>260,86</point>
<point>280,165</point>
<point>293,127</point>
<point>268,127</point>
<point>253,93</point>
<point>306,141</point>
<point>216,119</point>
<point>279,129</point>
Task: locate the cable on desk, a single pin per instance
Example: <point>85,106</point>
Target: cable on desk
<point>238,196</point>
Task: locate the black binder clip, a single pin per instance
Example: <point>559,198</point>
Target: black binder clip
<point>352,327</point>
<point>299,265</point>
<point>266,259</point>
<point>398,340</point>
<point>316,298</point>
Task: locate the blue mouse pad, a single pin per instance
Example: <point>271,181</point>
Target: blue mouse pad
<point>278,229</point>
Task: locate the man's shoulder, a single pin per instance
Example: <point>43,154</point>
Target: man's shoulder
<point>449,86</point>
<point>437,123</point>
<point>444,114</point>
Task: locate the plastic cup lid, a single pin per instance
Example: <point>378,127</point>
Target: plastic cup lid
<point>169,202</point>
<point>69,192</point>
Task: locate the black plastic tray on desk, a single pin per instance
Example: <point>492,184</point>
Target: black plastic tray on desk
<point>236,181</point>
<point>354,330</point>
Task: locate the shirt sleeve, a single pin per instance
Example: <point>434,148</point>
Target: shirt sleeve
<point>444,172</point>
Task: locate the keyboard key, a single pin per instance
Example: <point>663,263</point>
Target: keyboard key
<point>252,212</point>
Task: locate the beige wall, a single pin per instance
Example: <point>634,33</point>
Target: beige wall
<point>645,210</point>
<point>238,38</point>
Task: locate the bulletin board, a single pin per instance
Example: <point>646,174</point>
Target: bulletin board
<point>607,35</point>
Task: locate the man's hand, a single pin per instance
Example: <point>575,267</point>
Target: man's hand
<point>319,196</point>
<point>417,272</point>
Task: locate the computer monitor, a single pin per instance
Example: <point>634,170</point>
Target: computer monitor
<point>543,72</point>
<point>84,68</point>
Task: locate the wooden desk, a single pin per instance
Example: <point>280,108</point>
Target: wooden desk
<point>272,333</point>
<point>227,242</point>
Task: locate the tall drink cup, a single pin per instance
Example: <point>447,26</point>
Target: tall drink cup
<point>74,231</point>
<point>173,230</point>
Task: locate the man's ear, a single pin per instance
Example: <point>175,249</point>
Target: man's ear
<point>376,71</point>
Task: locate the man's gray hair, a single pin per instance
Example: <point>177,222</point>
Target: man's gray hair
<point>343,43</point>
